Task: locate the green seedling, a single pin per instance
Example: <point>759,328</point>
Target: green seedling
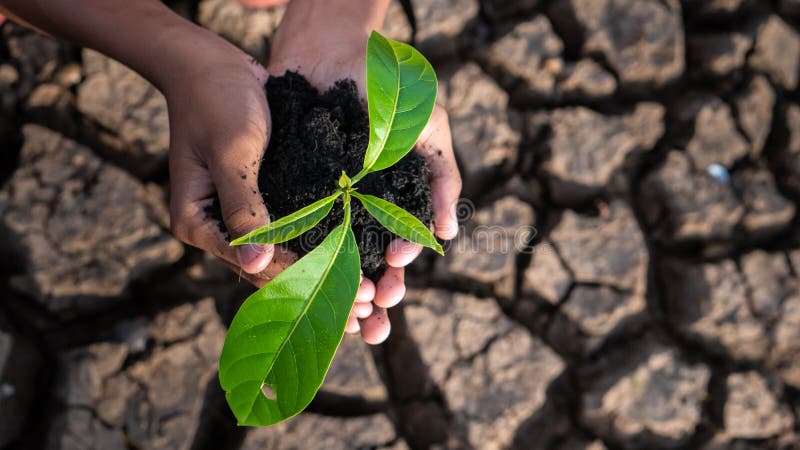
<point>283,338</point>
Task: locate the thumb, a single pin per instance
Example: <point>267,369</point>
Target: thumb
<point>235,177</point>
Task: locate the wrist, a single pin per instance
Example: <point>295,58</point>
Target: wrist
<point>355,17</point>
<point>325,26</point>
<point>186,52</point>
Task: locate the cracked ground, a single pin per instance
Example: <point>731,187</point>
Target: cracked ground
<point>627,275</point>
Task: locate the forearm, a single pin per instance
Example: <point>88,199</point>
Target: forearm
<point>144,34</point>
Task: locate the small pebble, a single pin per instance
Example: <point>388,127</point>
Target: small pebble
<point>719,173</point>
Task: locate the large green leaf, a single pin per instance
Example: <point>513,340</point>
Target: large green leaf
<point>399,221</point>
<point>285,335</point>
<point>401,92</point>
<point>291,226</point>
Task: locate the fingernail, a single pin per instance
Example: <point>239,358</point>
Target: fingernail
<point>249,254</point>
<point>448,229</point>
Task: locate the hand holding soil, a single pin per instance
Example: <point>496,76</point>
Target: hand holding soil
<point>219,122</point>
<point>324,54</point>
<point>325,51</point>
<point>220,126</point>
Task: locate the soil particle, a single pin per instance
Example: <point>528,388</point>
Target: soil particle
<point>317,135</point>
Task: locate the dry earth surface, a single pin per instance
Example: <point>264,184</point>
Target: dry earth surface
<point>628,275</point>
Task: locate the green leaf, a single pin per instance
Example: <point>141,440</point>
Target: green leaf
<point>285,335</point>
<point>291,226</point>
<point>401,92</point>
<point>399,221</point>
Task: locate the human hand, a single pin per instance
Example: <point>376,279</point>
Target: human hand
<point>435,144</point>
<point>324,51</point>
<point>219,128</point>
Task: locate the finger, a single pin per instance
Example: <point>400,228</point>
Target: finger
<point>362,310</point>
<point>436,146</point>
<point>193,226</point>
<point>190,195</point>
<point>391,288</point>
<point>234,170</point>
<point>259,71</point>
<point>375,328</point>
<point>352,326</point>
<point>282,259</point>
<point>400,252</point>
<point>366,291</point>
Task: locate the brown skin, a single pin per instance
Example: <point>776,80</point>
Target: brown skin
<point>220,122</point>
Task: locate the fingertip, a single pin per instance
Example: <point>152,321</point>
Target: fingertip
<point>362,310</point>
<point>400,252</point>
<point>352,326</point>
<point>446,231</point>
<point>254,258</point>
<point>366,290</point>
<point>376,328</point>
<point>446,222</point>
<point>391,288</point>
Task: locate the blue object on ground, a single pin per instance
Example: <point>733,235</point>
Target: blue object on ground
<point>719,172</point>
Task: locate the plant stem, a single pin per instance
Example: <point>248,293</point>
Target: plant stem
<point>358,176</point>
<point>346,221</point>
<point>346,198</point>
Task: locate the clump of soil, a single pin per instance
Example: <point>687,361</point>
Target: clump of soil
<point>314,137</point>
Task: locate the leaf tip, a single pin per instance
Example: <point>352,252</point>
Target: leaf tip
<point>376,35</point>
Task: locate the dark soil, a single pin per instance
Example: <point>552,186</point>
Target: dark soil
<point>314,137</point>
